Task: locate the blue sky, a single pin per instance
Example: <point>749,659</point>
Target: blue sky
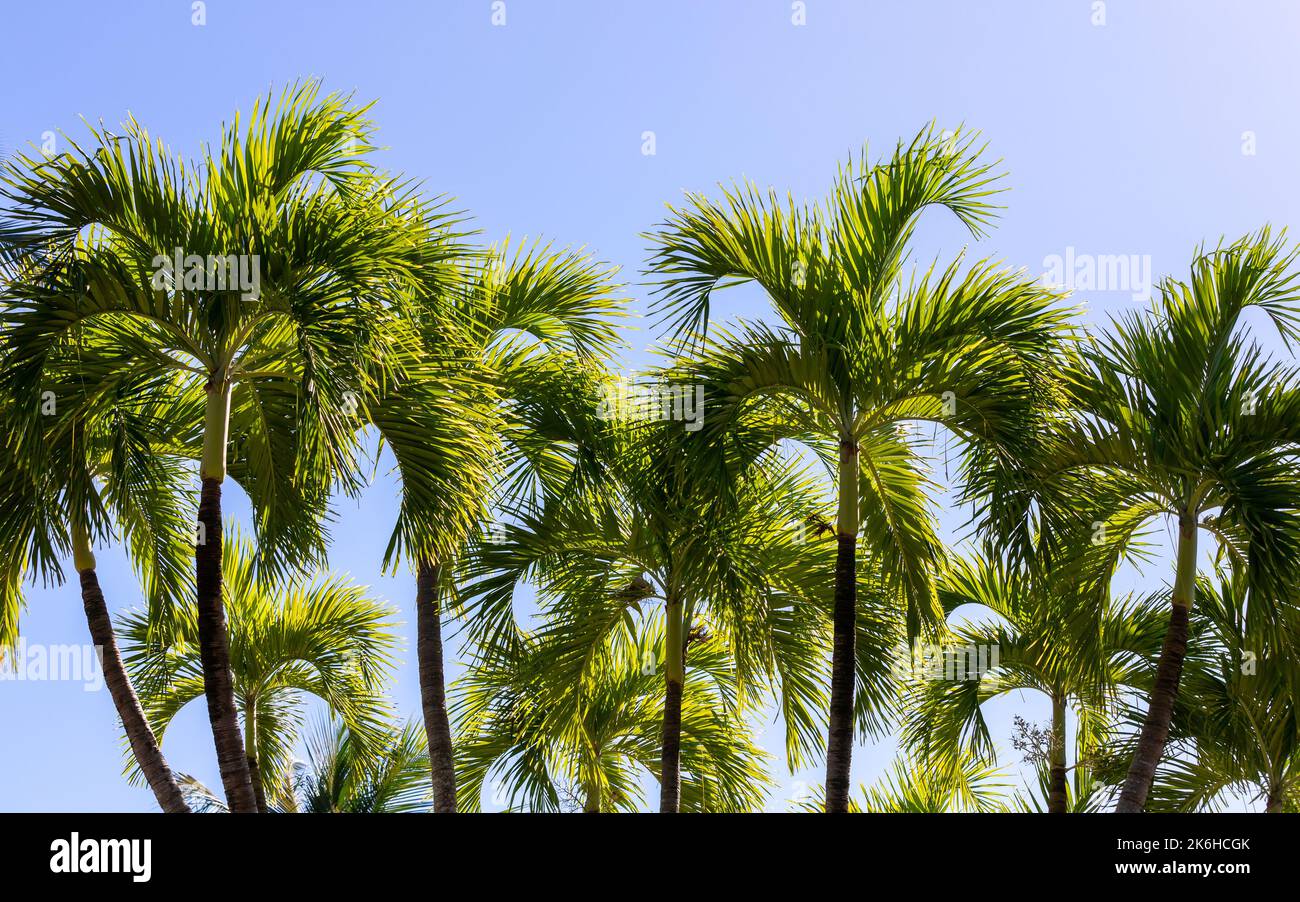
<point>1170,124</point>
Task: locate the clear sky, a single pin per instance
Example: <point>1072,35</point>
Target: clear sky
<point>1170,124</point>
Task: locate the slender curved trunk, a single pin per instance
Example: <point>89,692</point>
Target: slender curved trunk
<point>1274,804</point>
<point>144,745</point>
<point>1057,797</point>
<point>1169,670</point>
<point>250,746</point>
<point>670,783</point>
<point>839,746</point>
<point>433,693</point>
<point>214,643</point>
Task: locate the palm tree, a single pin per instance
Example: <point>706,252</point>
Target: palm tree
<point>860,350</point>
<point>558,745</point>
<point>98,459</point>
<point>1048,637</point>
<point>122,236</point>
<point>1234,727</point>
<point>324,637</point>
<point>485,351</point>
<point>1185,417</point>
<point>646,532</point>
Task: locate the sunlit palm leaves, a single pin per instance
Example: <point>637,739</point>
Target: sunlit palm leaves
<point>753,575</point>
<point>342,776</point>
<point>860,349</point>
<point>1185,417</point>
<point>101,461</point>
<point>291,189</point>
<point>963,783</point>
<point>1235,730</point>
<point>324,637</point>
<point>1044,633</point>
<point>537,745</point>
<point>451,419</point>
<point>483,372</point>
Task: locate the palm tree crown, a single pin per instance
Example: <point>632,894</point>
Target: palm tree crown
<point>860,349</point>
<point>324,637</point>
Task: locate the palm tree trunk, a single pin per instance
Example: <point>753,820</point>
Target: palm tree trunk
<point>144,745</point>
<point>214,644</point>
<point>433,693</point>
<point>250,746</point>
<point>839,746</point>
<point>670,783</point>
<point>1169,670</point>
<point>591,802</point>
<point>1057,799</point>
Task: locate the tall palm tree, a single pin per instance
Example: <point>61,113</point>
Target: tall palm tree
<point>465,415</point>
<point>645,534</point>
<point>324,637</point>
<point>558,745</point>
<point>262,274</point>
<point>1049,637</point>
<point>860,349</point>
<point>98,464</point>
<point>1188,419</point>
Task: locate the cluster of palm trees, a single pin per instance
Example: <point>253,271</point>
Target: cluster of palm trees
<point>768,553</point>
